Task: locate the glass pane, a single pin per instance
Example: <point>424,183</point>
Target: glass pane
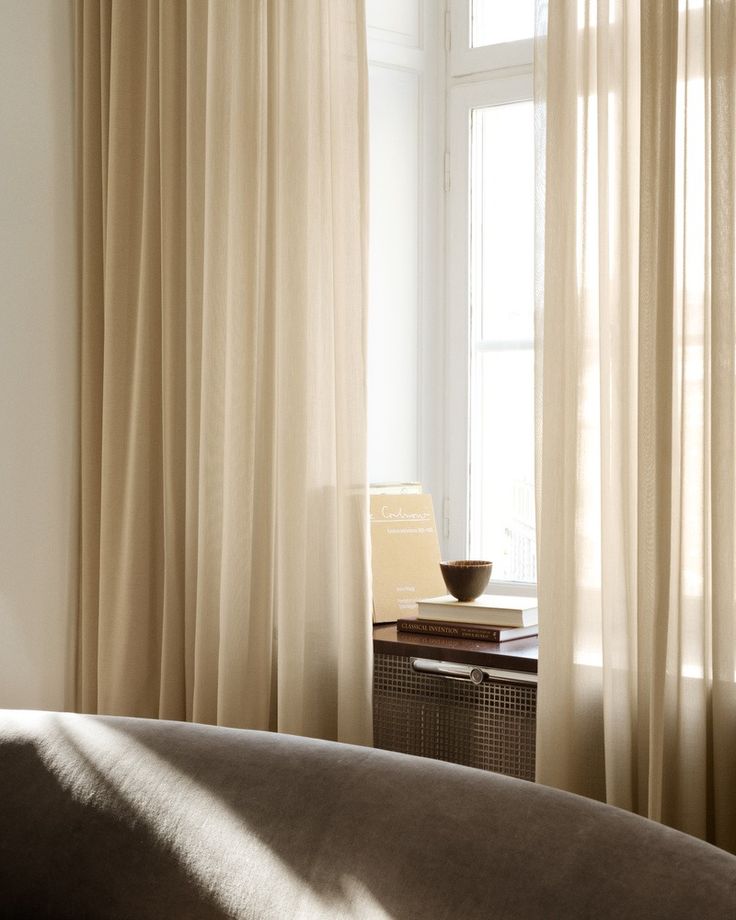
<point>502,323</point>
<point>495,21</point>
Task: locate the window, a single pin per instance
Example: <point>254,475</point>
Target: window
<point>501,273</point>
<point>451,359</point>
<point>490,293</point>
<point>494,22</point>
<point>490,34</point>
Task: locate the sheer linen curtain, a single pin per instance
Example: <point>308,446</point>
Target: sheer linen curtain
<point>223,211</point>
<point>636,407</point>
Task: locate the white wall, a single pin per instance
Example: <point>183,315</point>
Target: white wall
<point>38,353</point>
<point>406,64</point>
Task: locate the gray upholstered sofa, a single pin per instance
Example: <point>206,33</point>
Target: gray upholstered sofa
<point>104,817</point>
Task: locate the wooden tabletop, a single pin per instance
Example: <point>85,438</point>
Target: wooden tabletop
<point>517,655</point>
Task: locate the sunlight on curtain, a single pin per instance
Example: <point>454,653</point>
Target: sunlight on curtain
<point>224,224</point>
<point>636,407</point>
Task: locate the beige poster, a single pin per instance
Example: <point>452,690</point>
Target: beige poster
<point>406,555</point>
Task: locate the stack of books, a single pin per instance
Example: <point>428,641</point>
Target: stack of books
<point>489,618</point>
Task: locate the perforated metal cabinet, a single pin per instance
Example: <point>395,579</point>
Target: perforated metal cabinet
<point>463,713</point>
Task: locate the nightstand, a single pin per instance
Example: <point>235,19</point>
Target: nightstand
<point>466,702</point>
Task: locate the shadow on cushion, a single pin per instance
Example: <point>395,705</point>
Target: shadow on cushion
<point>111,817</point>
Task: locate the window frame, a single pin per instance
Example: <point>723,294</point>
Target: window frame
<point>495,75</point>
<point>464,59</point>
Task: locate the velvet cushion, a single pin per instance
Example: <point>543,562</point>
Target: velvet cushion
<point>111,817</point>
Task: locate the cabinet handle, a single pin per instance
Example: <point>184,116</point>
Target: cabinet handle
<point>476,675</point>
<point>448,669</point>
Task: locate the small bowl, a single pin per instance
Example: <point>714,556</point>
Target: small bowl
<point>466,579</point>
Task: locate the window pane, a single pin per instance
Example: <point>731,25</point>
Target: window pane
<point>502,324</point>
<point>495,21</point>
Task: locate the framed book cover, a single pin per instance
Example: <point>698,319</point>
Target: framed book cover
<point>406,554</point>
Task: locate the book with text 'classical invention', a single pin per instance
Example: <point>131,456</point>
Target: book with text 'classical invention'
<point>480,632</point>
<point>491,609</point>
<point>405,554</point>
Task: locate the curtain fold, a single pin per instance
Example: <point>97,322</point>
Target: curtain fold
<point>223,218</point>
<point>636,420</point>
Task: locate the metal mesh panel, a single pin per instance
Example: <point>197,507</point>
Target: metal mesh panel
<point>491,725</point>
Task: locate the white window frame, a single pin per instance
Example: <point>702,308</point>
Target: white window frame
<point>499,74</point>
<point>467,60</point>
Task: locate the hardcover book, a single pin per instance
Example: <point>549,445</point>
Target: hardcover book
<point>406,554</point>
<point>477,631</point>
<point>491,609</point>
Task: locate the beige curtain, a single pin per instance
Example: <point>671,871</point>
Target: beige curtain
<point>222,152</point>
<point>636,366</point>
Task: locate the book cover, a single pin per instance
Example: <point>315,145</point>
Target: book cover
<point>477,631</point>
<point>405,552</point>
<point>491,609</point>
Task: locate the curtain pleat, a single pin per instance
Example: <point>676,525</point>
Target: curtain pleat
<point>720,114</point>
<point>636,402</point>
<point>224,537</point>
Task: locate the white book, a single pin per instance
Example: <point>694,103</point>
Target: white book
<point>395,488</point>
<point>490,609</point>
